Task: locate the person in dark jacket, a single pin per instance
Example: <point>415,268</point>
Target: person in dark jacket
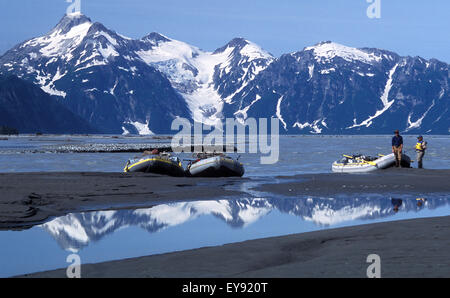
<point>397,148</point>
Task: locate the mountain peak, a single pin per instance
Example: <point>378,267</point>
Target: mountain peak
<point>325,42</point>
<point>328,44</point>
<point>155,37</point>
<point>246,48</point>
<point>237,42</point>
<point>327,50</point>
<point>71,20</point>
<point>76,14</point>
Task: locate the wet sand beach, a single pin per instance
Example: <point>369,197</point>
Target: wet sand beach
<point>409,248</point>
<point>389,181</point>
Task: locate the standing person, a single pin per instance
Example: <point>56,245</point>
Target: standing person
<point>397,148</point>
<point>421,146</point>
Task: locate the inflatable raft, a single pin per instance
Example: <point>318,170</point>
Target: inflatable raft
<point>364,164</point>
<point>159,164</point>
<point>215,166</point>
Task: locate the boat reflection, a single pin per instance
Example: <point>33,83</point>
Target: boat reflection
<point>75,231</point>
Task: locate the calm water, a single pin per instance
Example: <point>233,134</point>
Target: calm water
<point>111,235</point>
<point>298,154</point>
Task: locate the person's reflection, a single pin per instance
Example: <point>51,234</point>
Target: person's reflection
<point>396,203</point>
<point>421,202</point>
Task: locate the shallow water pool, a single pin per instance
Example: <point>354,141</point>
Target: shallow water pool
<point>117,234</point>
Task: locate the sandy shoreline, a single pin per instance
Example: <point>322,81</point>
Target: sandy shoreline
<point>30,198</point>
<point>409,248</point>
<point>393,181</point>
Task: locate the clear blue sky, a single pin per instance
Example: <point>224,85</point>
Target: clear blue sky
<point>408,27</point>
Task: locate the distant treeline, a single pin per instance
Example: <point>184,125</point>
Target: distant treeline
<point>5,130</point>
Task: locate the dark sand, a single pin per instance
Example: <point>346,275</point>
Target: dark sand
<point>393,180</point>
<point>30,198</point>
<point>411,248</point>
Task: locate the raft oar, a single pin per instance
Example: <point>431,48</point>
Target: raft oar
<point>364,161</point>
<point>189,159</point>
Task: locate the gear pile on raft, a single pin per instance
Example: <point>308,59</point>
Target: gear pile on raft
<point>201,165</point>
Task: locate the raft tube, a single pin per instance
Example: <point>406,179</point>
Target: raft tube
<point>170,166</point>
<point>216,166</point>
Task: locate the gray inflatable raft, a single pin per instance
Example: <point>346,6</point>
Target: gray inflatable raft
<point>215,166</point>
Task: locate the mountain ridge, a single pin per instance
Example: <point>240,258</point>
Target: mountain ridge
<point>124,85</point>
<point>27,108</point>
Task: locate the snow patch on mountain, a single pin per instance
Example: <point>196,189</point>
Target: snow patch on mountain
<point>310,71</point>
<point>241,114</point>
<point>328,71</point>
<point>191,71</point>
<point>92,63</point>
<point>107,36</point>
<point>108,51</point>
<point>252,51</point>
<point>48,84</point>
<point>384,99</point>
<point>326,51</point>
<point>278,112</point>
<point>125,131</point>
<point>315,129</point>
<point>418,122</point>
<point>111,91</point>
<point>365,74</point>
<point>205,102</point>
<point>58,42</point>
<point>52,91</point>
<point>142,128</point>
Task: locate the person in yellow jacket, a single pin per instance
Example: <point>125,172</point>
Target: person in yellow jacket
<point>421,146</point>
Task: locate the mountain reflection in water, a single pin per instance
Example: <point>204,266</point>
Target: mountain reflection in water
<point>75,231</point>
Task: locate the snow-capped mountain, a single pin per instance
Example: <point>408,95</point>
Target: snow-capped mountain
<point>123,85</point>
<point>334,89</point>
<point>75,231</point>
<point>138,86</point>
<point>95,74</point>
<point>206,80</point>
